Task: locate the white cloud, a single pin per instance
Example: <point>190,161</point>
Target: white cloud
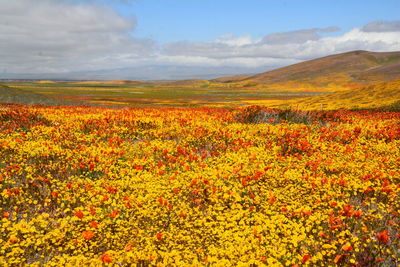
<point>55,36</point>
<point>231,40</point>
<point>246,62</point>
<point>300,45</point>
<point>46,36</point>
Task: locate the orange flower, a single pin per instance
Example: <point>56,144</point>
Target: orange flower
<point>106,258</point>
<point>6,214</point>
<point>159,236</point>
<point>182,214</point>
<point>128,205</point>
<point>88,234</point>
<point>369,189</point>
<point>272,200</point>
<point>347,248</point>
<point>176,190</point>
<point>347,210</point>
<point>94,224</point>
<point>113,214</point>
<point>322,234</point>
<point>197,201</point>
<point>128,247</point>
<point>338,258</point>
<point>55,194</point>
<point>383,237</point>
<point>307,212</point>
<point>357,214</point>
<point>79,214</point>
<point>13,240</point>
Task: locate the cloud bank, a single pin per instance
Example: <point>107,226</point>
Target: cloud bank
<point>68,36</point>
<point>382,26</point>
<point>47,36</point>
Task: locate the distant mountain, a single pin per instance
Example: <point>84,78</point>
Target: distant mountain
<point>147,73</point>
<point>331,73</point>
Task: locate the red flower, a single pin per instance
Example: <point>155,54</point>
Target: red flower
<point>159,236</point>
<point>91,166</point>
<point>272,200</point>
<point>347,210</point>
<point>92,210</point>
<point>79,214</point>
<point>106,258</point>
<point>383,237</point>
<point>305,258</point>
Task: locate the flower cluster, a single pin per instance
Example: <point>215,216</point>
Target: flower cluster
<point>197,186</point>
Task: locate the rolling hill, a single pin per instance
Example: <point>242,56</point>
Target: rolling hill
<point>332,73</point>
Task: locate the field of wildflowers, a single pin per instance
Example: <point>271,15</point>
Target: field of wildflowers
<point>198,186</point>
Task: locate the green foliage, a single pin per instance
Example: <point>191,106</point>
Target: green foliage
<point>395,107</point>
<point>383,60</point>
<point>258,114</point>
<point>250,84</point>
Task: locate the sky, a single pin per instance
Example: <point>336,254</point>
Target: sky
<point>179,39</point>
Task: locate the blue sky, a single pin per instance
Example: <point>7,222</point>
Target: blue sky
<point>178,39</point>
<point>173,20</point>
